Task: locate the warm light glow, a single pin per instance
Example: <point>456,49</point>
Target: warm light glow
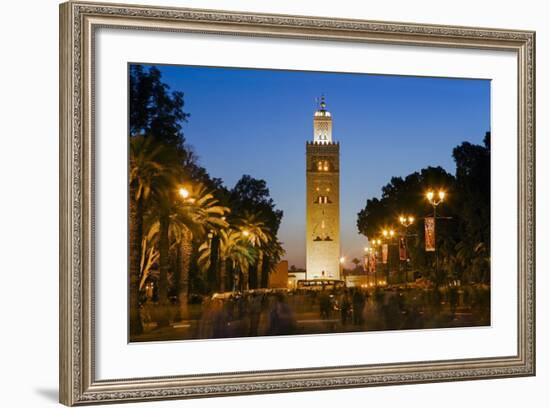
<point>441,194</point>
<point>342,260</point>
<point>367,249</point>
<point>183,192</point>
<point>385,233</point>
<point>392,232</point>
<point>322,165</point>
<point>430,195</point>
<point>406,221</point>
<point>246,233</point>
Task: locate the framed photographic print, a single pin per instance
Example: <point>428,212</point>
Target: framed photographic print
<point>259,203</point>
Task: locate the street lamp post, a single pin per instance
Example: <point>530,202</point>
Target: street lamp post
<point>388,235</point>
<point>430,195</point>
<point>366,262</point>
<point>406,222</point>
<point>342,260</point>
<point>375,243</point>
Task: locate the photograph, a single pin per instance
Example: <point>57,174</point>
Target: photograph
<point>267,202</point>
<point>272,201</point>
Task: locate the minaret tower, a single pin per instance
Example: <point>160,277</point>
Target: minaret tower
<point>322,199</point>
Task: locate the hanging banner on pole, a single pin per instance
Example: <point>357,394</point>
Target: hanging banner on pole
<point>372,264</point>
<point>385,253</point>
<point>429,232</point>
<point>402,249</point>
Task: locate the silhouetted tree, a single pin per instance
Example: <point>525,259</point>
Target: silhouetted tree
<point>463,224</point>
<point>155,110</point>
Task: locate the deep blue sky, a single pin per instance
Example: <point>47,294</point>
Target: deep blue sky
<point>247,121</point>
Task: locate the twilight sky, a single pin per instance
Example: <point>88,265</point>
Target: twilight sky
<point>251,121</point>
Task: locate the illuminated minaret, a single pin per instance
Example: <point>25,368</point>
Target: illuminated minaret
<point>322,199</point>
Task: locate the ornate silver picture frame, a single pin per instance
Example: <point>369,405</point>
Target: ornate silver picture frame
<point>79,23</point>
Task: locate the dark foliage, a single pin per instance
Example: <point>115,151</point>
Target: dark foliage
<point>463,219</point>
<point>154,109</point>
<point>252,195</point>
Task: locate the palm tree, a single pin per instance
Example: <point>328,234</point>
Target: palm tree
<point>240,257</point>
<point>154,167</point>
<point>233,248</point>
<point>149,249</point>
<point>146,166</point>
<point>259,236</point>
<point>165,203</point>
<point>195,215</point>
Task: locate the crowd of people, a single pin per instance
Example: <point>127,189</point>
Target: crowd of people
<point>282,312</point>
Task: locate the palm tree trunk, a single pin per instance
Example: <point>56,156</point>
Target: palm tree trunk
<point>212,275</point>
<point>222,274</point>
<point>183,285</point>
<point>136,232</point>
<point>259,268</point>
<point>164,265</point>
<point>245,277</point>
<point>265,273</point>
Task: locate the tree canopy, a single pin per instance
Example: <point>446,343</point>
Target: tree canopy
<point>463,219</point>
<point>154,108</point>
<point>184,216</point>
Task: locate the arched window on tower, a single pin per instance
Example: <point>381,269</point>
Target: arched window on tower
<point>323,165</point>
<point>322,199</point>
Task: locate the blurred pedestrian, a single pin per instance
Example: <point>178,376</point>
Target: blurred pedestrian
<point>281,318</point>
<point>345,308</point>
<point>324,304</point>
<point>358,301</point>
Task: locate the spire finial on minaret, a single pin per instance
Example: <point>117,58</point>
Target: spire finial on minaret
<point>323,104</point>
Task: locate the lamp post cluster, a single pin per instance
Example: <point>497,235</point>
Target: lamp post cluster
<point>374,245</point>
<point>388,235</point>
<point>405,221</point>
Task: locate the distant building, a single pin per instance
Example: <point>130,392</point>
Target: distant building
<point>322,199</point>
<point>294,276</point>
<point>357,281</point>
<point>278,278</point>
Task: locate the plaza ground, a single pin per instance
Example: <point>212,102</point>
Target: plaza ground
<point>295,312</point>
